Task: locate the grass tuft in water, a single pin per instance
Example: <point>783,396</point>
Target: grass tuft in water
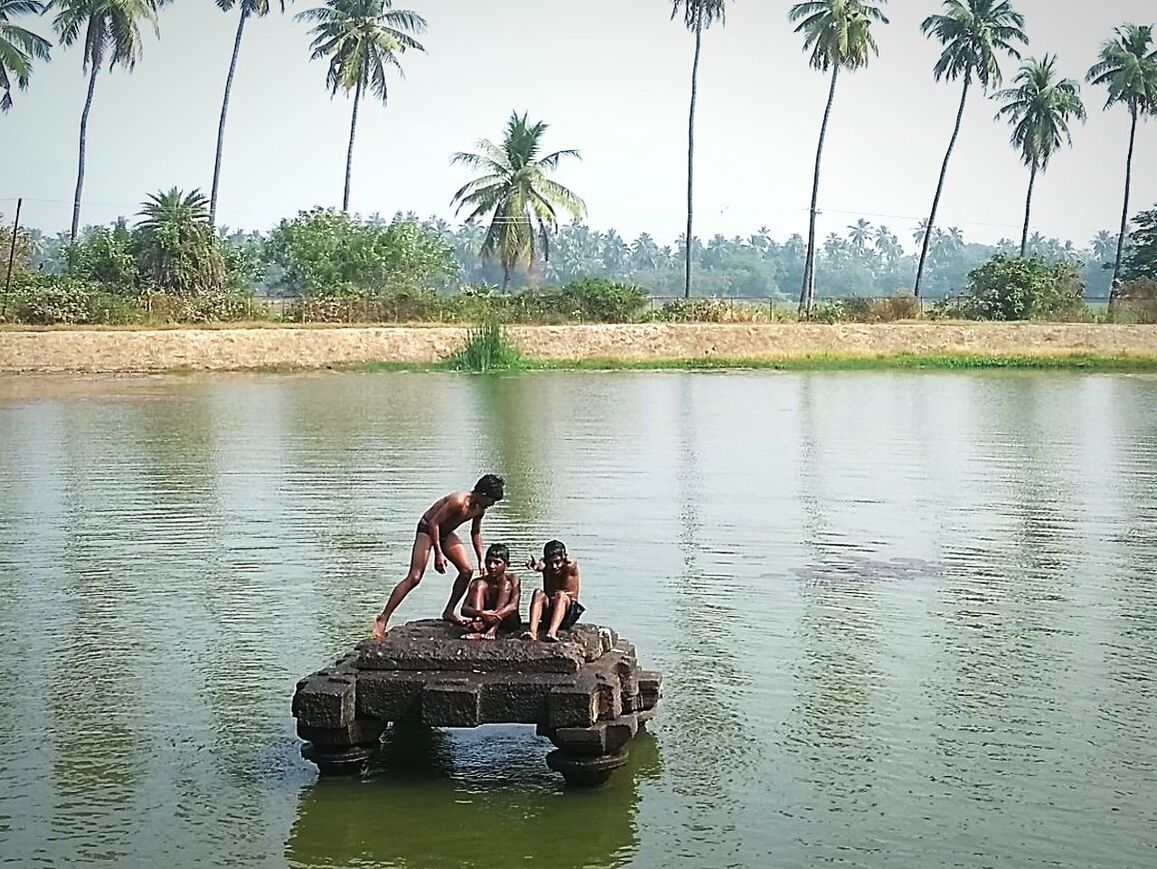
<point>487,348</point>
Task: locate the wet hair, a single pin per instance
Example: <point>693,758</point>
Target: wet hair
<point>553,548</point>
<point>499,550</point>
<point>490,486</point>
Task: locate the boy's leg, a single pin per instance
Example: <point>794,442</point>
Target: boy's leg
<point>476,602</point>
<point>501,599</point>
<point>537,604</point>
<point>419,556</point>
<point>455,551</point>
<point>561,603</point>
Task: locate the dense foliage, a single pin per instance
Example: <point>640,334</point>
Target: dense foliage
<point>327,252</point>
<point>1013,288</point>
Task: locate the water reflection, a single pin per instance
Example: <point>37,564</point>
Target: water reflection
<point>469,798</point>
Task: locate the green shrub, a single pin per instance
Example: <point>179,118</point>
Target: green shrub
<point>598,300</point>
<point>1010,288</point>
<point>47,300</point>
<point>325,252</point>
<point>104,256</point>
<point>830,311</point>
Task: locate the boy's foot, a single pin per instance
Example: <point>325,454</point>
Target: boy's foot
<point>527,635</point>
<point>455,620</point>
<point>550,638</point>
<point>379,630</point>
<point>476,636</point>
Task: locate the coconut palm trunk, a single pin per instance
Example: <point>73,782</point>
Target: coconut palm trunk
<point>940,187</point>
<point>807,294</point>
<point>224,112</point>
<point>349,160</point>
<point>1028,211</point>
<point>691,159</point>
<point>1124,211</point>
<point>80,160</point>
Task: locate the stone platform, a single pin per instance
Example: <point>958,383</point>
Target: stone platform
<point>586,694</point>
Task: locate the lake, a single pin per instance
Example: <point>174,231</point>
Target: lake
<point>905,619</point>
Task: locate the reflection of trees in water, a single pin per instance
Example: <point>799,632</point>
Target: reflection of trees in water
<point>833,727</point>
<point>709,745</point>
<point>480,798</point>
<point>1002,685</point>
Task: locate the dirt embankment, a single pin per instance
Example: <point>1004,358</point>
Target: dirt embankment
<point>237,349</point>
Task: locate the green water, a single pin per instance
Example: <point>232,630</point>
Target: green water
<point>905,619</point>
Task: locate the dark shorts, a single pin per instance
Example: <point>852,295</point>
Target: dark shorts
<point>573,614</point>
<point>424,528</point>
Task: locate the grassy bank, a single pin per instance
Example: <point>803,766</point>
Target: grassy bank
<point>900,361</point>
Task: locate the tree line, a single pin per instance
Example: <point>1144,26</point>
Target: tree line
<point>517,196</point>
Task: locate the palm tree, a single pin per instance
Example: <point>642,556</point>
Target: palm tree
<point>839,35</point>
<point>249,8</point>
<point>974,33</point>
<point>360,37</point>
<point>860,234</point>
<point>515,190</point>
<point>112,33</point>
<point>18,48</point>
<point>1128,68</point>
<point>176,245</point>
<point>698,15</point>
<point>1039,108</point>
<point>1103,246</point>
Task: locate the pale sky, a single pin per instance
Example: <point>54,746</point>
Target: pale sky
<point>612,78</point>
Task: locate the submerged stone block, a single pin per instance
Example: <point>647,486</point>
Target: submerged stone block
<point>575,705</point>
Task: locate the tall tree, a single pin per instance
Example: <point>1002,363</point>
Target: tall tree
<point>517,194</point>
<point>360,37</point>
<point>974,34</point>
<point>1039,108</point>
<point>18,48</point>
<point>111,32</point>
<point>176,245</point>
<point>838,33</point>
<point>249,8</point>
<point>698,15</point>
<point>1128,68</point>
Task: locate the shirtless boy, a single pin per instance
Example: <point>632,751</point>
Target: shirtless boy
<point>559,593</point>
<point>492,600</point>
<point>436,531</point>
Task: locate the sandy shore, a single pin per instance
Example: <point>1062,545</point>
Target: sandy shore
<point>239,349</point>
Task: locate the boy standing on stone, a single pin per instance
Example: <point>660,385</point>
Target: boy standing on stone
<point>436,531</point>
<point>559,593</point>
<point>493,599</point>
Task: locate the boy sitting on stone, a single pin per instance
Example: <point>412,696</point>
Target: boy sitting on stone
<point>492,601</point>
<point>559,593</point>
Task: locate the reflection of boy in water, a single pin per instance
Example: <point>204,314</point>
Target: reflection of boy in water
<point>559,592</point>
<point>436,531</point>
<point>492,600</point>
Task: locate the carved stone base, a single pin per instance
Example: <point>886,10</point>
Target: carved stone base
<point>334,762</point>
<point>585,772</point>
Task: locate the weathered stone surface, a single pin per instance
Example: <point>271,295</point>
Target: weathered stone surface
<point>585,693</point>
<point>523,699</point>
<point>452,703</point>
<point>361,731</point>
<point>585,771</point>
<point>650,688</point>
<point>575,705</point>
<point>391,695</point>
<point>325,699</point>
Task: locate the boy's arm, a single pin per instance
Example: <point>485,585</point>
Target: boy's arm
<point>573,580</point>
<point>476,539</point>
<point>468,609</point>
